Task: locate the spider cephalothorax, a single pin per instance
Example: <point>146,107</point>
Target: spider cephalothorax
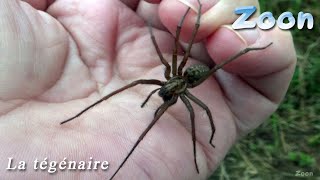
<point>176,86</point>
<point>173,87</point>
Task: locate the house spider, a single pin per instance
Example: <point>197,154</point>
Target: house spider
<point>176,85</point>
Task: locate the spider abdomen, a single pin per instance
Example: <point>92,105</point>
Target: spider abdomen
<point>172,87</point>
<point>195,73</point>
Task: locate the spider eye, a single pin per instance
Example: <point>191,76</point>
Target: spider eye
<point>195,73</point>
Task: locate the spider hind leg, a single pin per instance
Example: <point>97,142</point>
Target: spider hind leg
<point>190,109</point>
<point>161,111</point>
<point>205,107</point>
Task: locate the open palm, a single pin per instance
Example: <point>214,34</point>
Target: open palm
<point>55,63</point>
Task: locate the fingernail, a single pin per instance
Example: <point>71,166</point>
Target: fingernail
<point>188,3</point>
<point>247,36</point>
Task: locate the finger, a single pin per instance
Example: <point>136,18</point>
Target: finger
<point>259,65</point>
<point>40,5</point>
<point>214,14</point>
<point>149,13</point>
<point>133,4</point>
<point>199,52</point>
<point>33,49</point>
<point>264,75</point>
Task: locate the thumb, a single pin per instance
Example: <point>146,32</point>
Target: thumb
<point>269,71</point>
<point>227,42</point>
<point>33,49</point>
<point>262,77</point>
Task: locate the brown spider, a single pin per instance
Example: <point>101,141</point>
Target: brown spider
<point>175,86</point>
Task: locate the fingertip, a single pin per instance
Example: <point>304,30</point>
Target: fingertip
<point>149,12</point>
<point>171,13</point>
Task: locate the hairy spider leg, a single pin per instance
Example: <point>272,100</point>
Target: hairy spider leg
<point>134,83</point>
<point>232,58</point>
<point>176,43</point>
<point>163,108</point>
<point>193,36</point>
<point>162,59</point>
<point>205,107</point>
<point>149,96</point>
<point>193,129</point>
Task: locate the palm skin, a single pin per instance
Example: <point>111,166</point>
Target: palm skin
<point>59,65</point>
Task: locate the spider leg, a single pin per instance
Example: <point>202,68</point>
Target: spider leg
<point>232,58</point>
<point>194,33</point>
<point>134,83</point>
<point>149,96</point>
<point>175,50</point>
<point>156,112</point>
<point>159,108</point>
<point>163,108</point>
<point>190,109</point>
<point>205,107</point>
<point>164,62</point>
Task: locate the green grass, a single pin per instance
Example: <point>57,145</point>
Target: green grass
<point>290,139</point>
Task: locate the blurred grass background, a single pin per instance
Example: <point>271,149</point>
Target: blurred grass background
<point>290,140</point>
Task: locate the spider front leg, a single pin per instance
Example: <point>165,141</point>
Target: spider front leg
<point>134,83</point>
<point>162,109</point>
<point>205,107</point>
<point>164,62</point>
<point>176,43</point>
<point>193,36</point>
<point>193,130</point>
<point>244,51</point>
<point>229,60</point>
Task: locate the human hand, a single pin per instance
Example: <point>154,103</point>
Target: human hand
<point>53,67</point>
